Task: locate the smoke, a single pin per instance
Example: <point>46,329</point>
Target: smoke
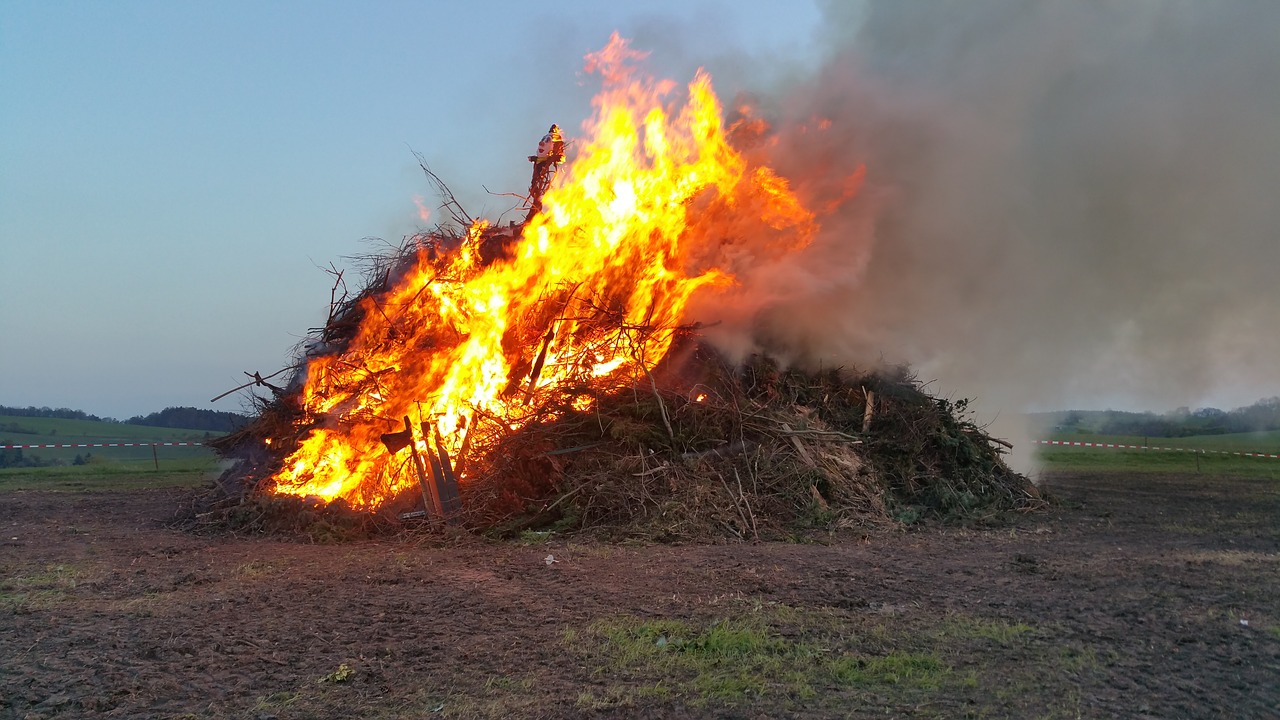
<point>1066,204</point>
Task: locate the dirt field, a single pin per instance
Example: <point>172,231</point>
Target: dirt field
<point>1142,596</point>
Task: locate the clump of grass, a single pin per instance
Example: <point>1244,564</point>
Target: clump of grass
<point>964,627</point>
<point>924,670</point>
<point>39,589</point>
<point>738,659</point>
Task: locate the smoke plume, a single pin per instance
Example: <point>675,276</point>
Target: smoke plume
<point>1065,204</point>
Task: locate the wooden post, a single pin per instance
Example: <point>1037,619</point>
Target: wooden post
<point>870,409</point>
<point>537,365</point>
<point>428,496</point>
<point>155,458</point>
<point>397,441</point>
<point>437,475</point>
<point>450,502</point>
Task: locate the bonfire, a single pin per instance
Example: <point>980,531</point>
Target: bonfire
<point>549,374</point>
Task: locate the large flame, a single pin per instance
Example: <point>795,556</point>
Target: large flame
<point>645,214</point>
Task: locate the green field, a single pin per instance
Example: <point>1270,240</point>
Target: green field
<point>102,468</point>
<point>1207,458</point>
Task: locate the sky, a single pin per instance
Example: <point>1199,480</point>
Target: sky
<point>1067,205</point>
<point>175,177</point>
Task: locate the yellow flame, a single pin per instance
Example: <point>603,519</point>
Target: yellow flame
<point>636,219</point>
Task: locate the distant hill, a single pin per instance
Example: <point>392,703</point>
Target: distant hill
<point>189,418</point>
<point>183,418</point>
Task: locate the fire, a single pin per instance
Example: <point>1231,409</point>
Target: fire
<point>644,215</point>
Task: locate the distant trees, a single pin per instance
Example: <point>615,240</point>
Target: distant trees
<point>46,412</point>
<point>189,418</point>
<point>14,458</point>
<point>1260,416</point>
<point>182,418</point>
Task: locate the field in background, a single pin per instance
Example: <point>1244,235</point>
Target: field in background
<point>137,467</point>
<point>1208,459</point>
<point>101,468</point>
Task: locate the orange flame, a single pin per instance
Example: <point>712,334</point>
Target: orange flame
<point>647,212</point>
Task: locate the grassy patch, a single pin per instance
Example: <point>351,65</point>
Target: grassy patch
<point>1137,461</point>
<point>184,472</point>
<point>922,670</point>
<point>94,468</point>
<point>964,627</point>
<point>737,659</point>
<point>781,657</point>
<point>257,569</point>
<point>39,589</point>
<point>1077,660</point>
<point>1209,462</point>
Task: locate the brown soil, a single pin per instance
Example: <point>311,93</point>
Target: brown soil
<point>1142,596</point>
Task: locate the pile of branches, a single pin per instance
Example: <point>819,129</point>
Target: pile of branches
<point>692,447</point>
<point>704,449</point>
<point>697,449</point>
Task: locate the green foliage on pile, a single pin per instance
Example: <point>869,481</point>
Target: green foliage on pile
<point>704,449</point>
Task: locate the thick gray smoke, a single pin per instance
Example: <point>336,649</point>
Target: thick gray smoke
<point>1066,204</point>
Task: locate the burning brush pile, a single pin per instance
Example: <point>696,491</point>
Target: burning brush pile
<point>547,375</point>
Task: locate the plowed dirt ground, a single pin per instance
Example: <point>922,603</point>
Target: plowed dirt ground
<point>1139,596</point>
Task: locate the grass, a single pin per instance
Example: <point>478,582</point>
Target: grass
<point>1266,442</point>
<point>726,660</point>
<point>71,431</point>
<point>15,430</point>
<point>787,655</point>
<point>963,627</point>
<point>1208,462</point>
<point>892,669</point>
<point>104,468</point>
<point>39,589</point>
<point>173,472</point>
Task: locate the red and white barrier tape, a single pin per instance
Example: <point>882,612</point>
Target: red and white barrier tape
<point>1068,443</point>
<point>1061,443</point>
<point>103,445</point>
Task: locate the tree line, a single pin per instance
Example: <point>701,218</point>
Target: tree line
<point>1261,416</point>
<point>182,418</point>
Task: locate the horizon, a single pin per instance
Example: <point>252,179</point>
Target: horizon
<point>110,418</point>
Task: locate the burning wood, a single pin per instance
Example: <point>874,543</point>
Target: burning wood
<point>594,288</point>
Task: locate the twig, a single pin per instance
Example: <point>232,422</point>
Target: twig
<point>819,433</point>
<point>996,440</point>
<point>451,203</point>
<point>638,354</point>
<point>257,380</point>
<point>804,454</point>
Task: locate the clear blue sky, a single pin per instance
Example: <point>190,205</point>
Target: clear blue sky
<point>173,175</point>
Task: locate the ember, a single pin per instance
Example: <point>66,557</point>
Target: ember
<point>502,358</point>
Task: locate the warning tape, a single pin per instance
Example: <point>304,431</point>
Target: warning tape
<point>100,445</point>
<point>1061,443</point>
<point>1068,443</point>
